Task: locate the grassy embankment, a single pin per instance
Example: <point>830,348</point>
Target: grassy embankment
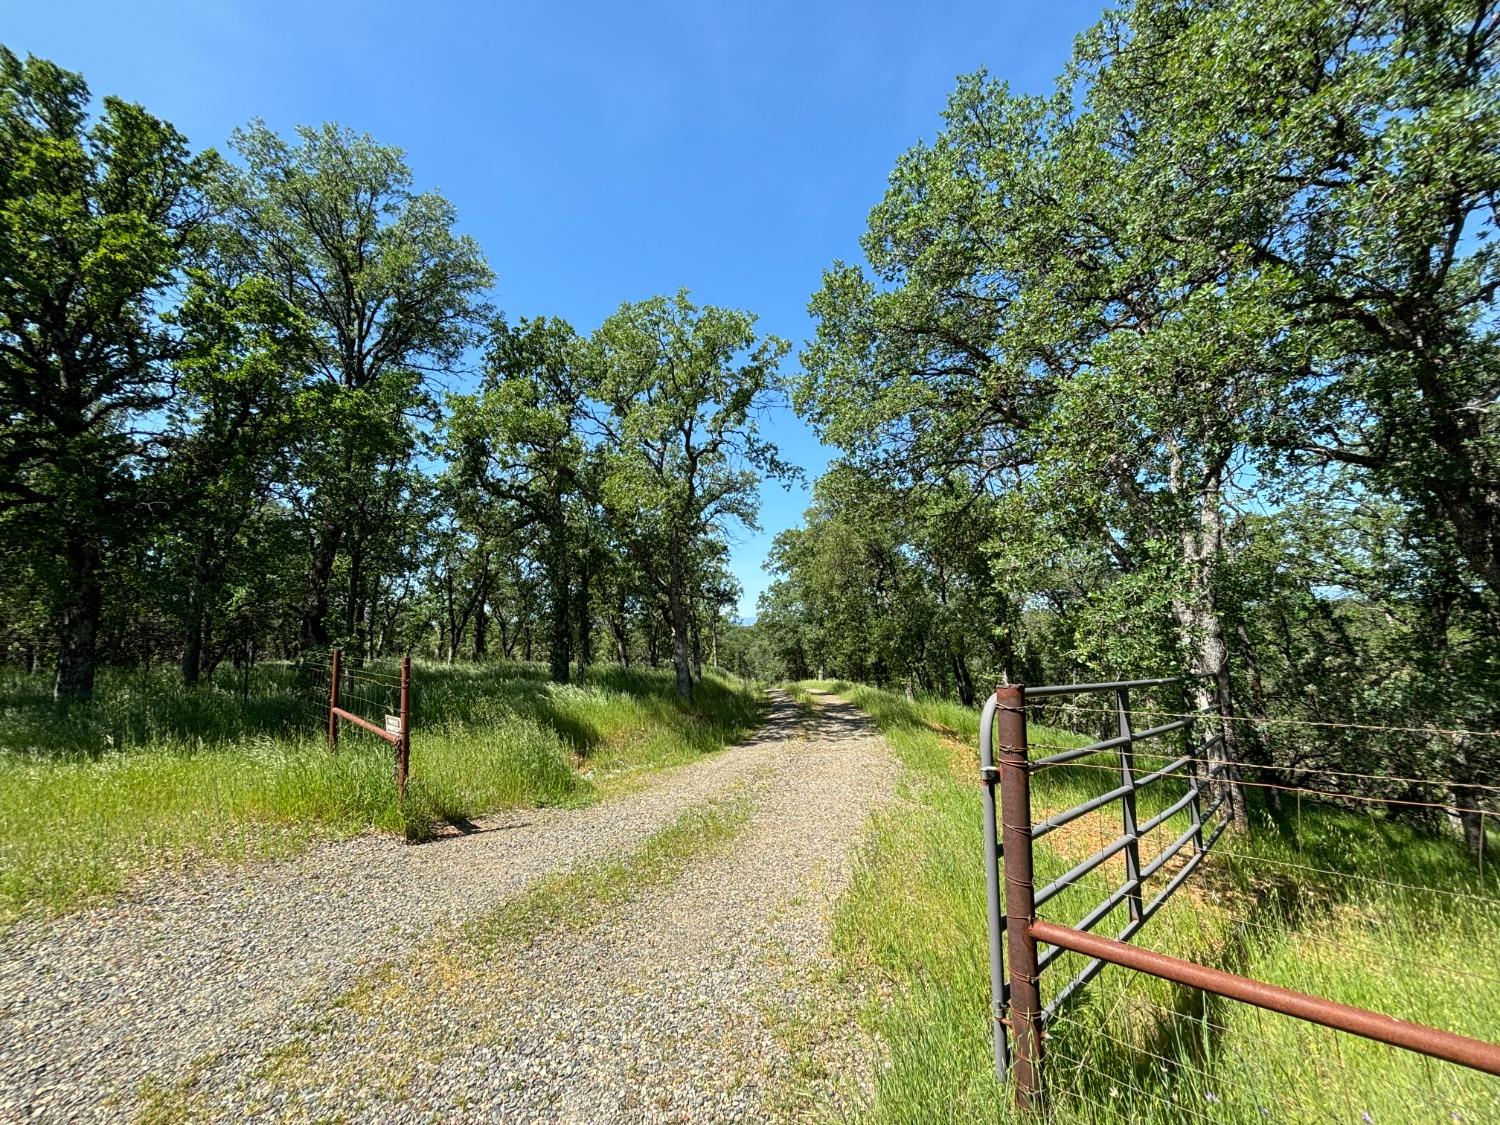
<point>152,774</point>
<point>1325,909</point>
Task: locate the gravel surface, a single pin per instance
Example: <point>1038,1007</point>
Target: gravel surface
<point>285,990</point>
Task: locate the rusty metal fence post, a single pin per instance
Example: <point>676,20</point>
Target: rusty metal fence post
<point>333,702</point>
<point>403,747</point>
<point>1020,892</point>
<point>1018,1016</point>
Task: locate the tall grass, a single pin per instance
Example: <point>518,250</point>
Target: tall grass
<point>1353,907</point>
<point>151,773</point>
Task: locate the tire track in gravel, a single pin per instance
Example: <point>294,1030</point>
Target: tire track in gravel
<point>205,988</point>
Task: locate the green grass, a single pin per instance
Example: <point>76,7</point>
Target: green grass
<point>576,900</point>
<point>800,695</point>
<point>151,774</point>
<point>1299,902</point>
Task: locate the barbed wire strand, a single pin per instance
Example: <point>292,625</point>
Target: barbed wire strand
<point>1305,1032</point>
<point>1485,900</point>
<point>1116,1082</point>
<point>1346,944</point>
<point>1332,794</point>
<point>1143,752</point>
<point>1327,723</point>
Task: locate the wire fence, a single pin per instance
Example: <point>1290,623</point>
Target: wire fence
<point>371,689</point>
<point>364,698</point>
<point>1368,897</point>
<point>152,701</point>
<point>27,652</point>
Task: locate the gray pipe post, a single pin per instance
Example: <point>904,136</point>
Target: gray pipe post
<point>1127,803</point>
<point>1020,897</point>
<point>989,778</point>
<point>1194,767</point>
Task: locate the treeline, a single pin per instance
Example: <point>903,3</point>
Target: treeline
<point>228,426</point>
<point>1190,364</point>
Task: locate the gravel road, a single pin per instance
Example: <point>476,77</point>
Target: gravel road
<point>226,994</point>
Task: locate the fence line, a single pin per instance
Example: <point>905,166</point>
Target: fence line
<point>1244,765</point>
<point>1289,865</point>
<point>1326,794</point>
<point>1324,723</point>
<point>1420,1038</point>
<point>1275,1080</point>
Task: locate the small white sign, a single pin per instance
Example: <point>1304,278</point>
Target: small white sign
<point>393,724</point>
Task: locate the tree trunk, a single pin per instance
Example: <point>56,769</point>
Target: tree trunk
<point>1202,631</point>
<point>450,611</point>
<point>1467,798</point>
<point>622,646</point>
<point>192,639</point>
<point>697,635</point>
<point>481,624</point>
<point>78,630</point>
<point>963,679</point>
<point>354,615</point>
<point>585,622</point>
<point>314,629</point>
<point>1259,748</point>
<point>202,576</point>
<point>559,589</point>
<point>677,609</point>
<point>213,656</point>
<point>1472,822</point>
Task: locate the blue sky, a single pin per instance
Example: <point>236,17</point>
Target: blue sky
<point>599,153</point>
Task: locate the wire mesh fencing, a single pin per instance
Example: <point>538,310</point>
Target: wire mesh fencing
<point>27,652</point>
<point>365,699</point>
<point>1366,895</point>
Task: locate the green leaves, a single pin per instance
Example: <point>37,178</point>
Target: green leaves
<point>679,390</point>
<point>375,265</point>
<point>641,442</point>
<point>97,222</point>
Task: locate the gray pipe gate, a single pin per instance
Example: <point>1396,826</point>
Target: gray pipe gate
<point>1013,774</point>
<point>1018,1017</point>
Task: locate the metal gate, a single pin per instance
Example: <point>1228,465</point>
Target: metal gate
<point>1019,1018</point>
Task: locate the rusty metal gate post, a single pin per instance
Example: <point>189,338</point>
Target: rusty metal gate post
<point>333,702</point>
<point>989,777</point>
<point>1020,892</point>
<point>403,747</point>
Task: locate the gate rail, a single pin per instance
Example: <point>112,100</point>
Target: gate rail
<point>1418,1037</point>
